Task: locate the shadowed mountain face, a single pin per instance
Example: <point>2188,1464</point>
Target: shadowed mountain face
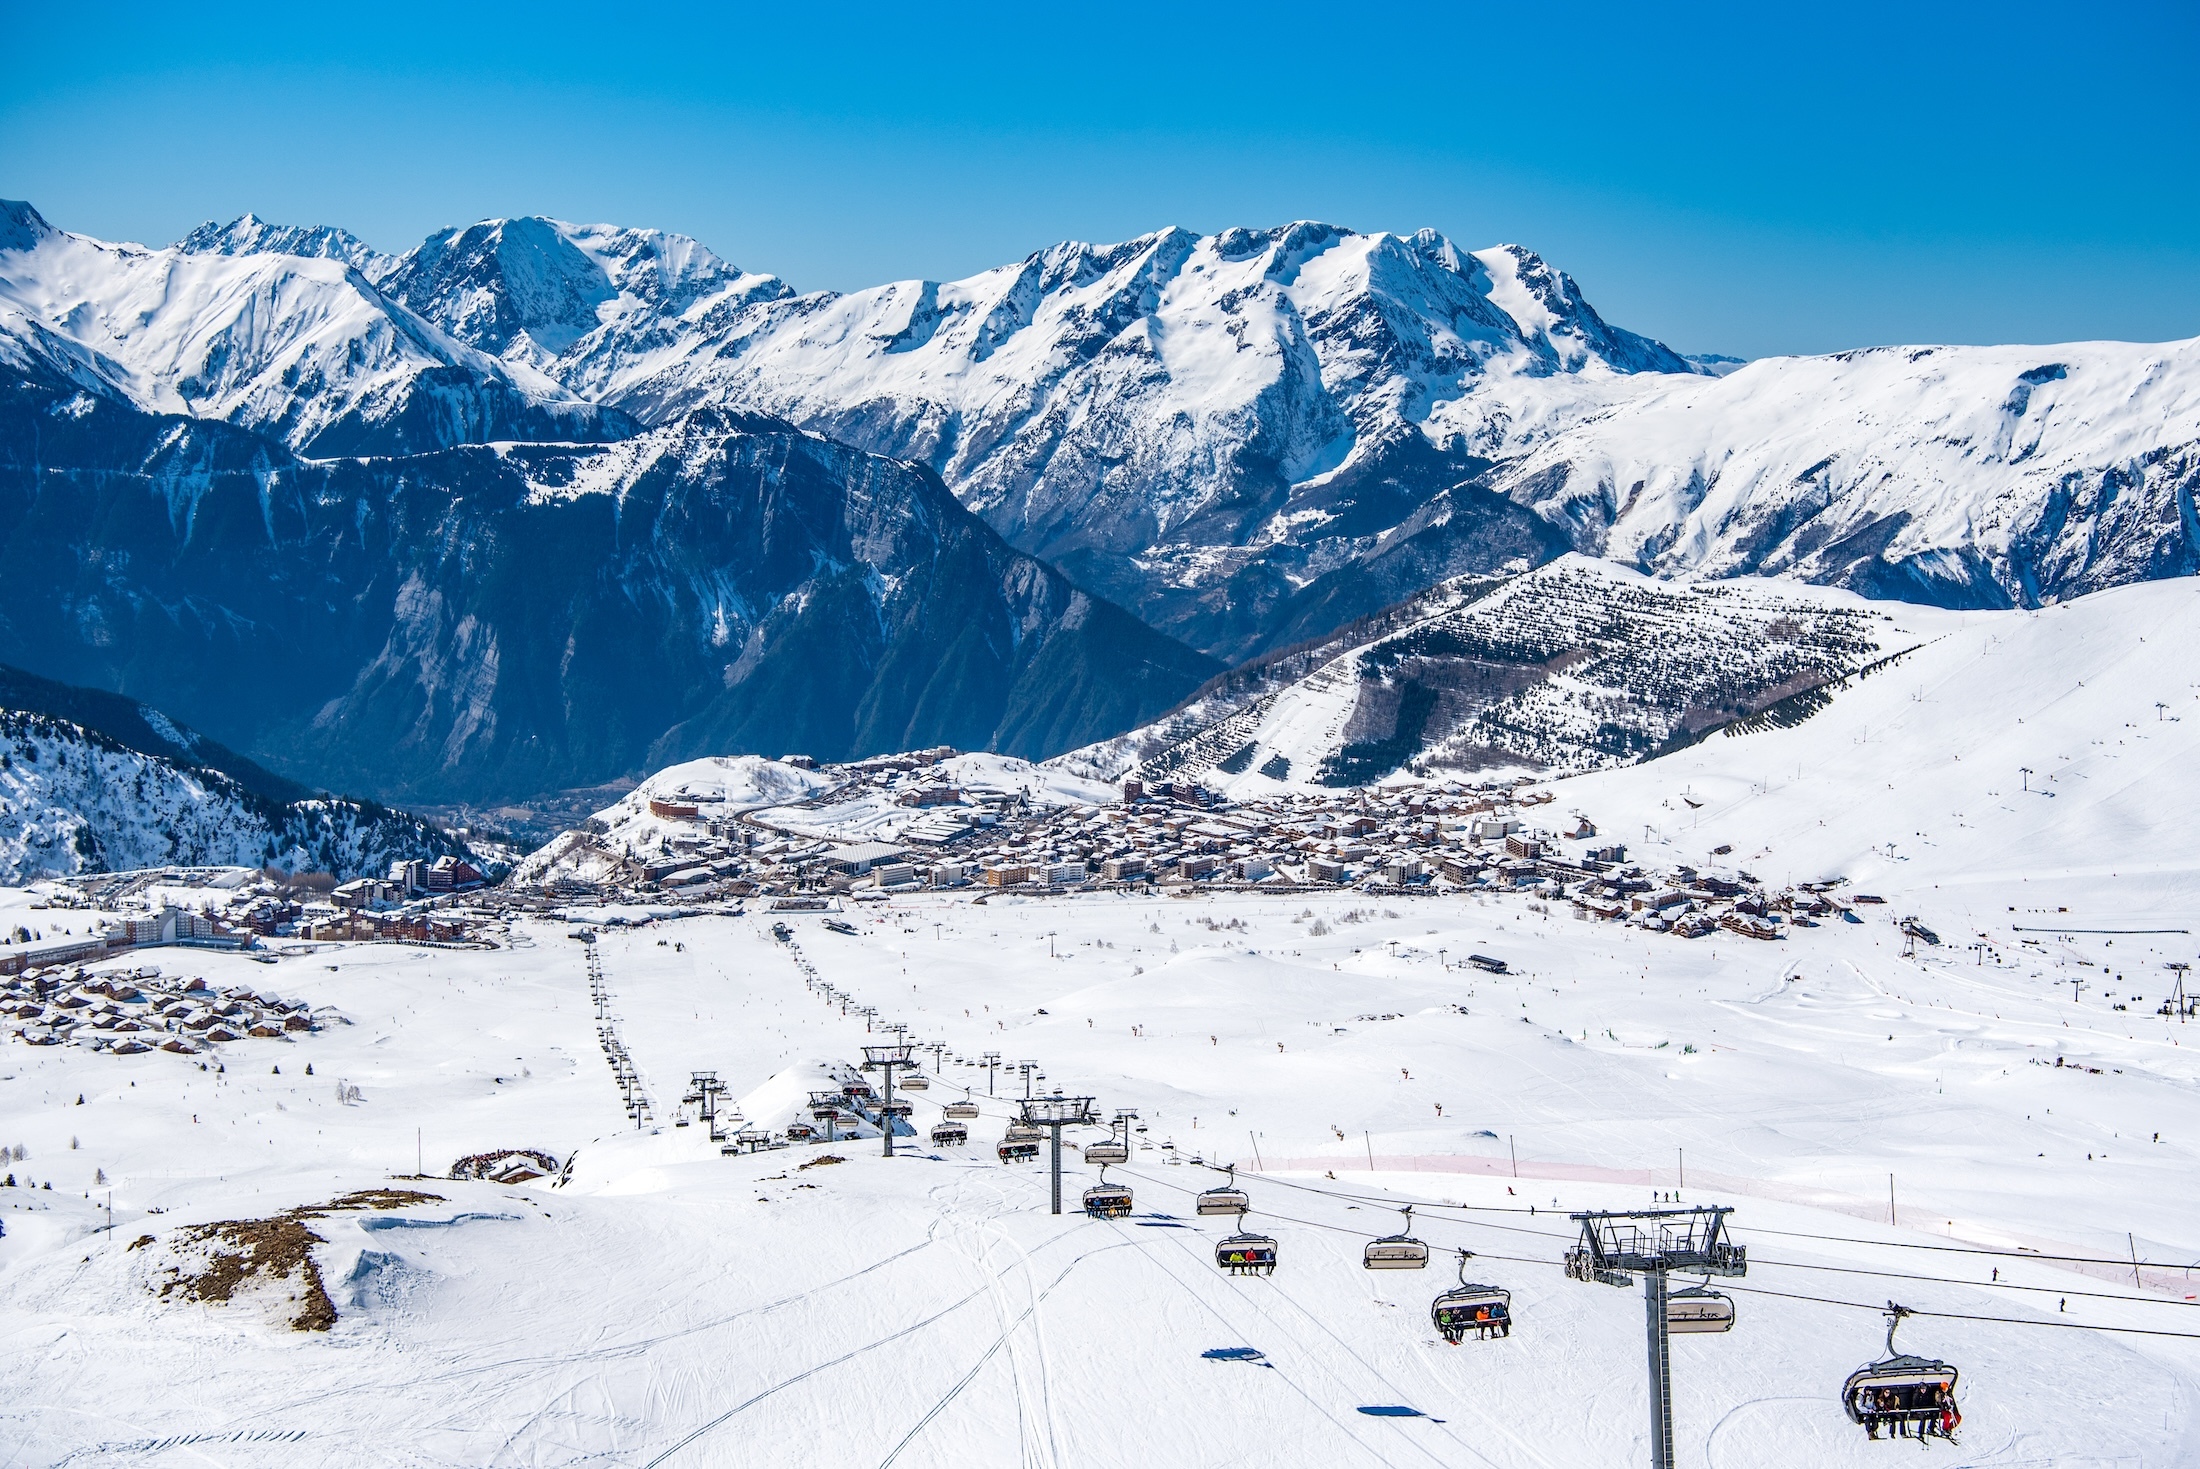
<point>484,621</point>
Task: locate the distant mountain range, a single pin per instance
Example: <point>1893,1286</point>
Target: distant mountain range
<point>537,504</point>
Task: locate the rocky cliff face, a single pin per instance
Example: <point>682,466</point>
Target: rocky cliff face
<point>510,619</point>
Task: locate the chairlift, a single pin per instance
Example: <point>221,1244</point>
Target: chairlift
<point>1244,1253</point>
<point>801,1132</point>
<point>1698,1309</point>
<point>1105,1200</point>
<point>1485,1310</point>
<point>962,1111</point>
<point>1396,1251</point>
<point>859,1091</point>
<point>896,1109</point>
<point>915,1081</point>
<point>1110,1150</point>
<point>1909,1396</point>
<point>1018,1150</point>
<point>1227,1199</point>
<point>950,1135</point>
<point>1021,1132</point>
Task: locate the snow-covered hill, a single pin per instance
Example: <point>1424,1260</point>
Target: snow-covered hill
<point>72,800</point>
<point>300,348</point>
<point>2055,745</point>
<point>1967,476</point>
<point>1578,665</point>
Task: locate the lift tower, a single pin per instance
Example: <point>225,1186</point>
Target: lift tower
<point>887,1059</point>
<point>1055,1113</point>
<point>1653,1243</point>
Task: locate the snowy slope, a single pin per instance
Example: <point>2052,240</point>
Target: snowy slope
<point>1916,777</point>
<point>297,348</point>
<point>669,1305</point>
<point>1969,476</point>
<point>73,801</point>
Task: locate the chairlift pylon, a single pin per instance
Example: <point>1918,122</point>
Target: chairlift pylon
<point>1396,1251</point>
<point>1485,1310</point>
<point>1910,1396</point>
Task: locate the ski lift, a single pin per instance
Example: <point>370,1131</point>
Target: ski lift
<point>801,1132</point>
<point>1902,1392</point>
<point>1396,1251</point>
<point>1227,1199</point>
<point>1021,1132</point>
<point>962,1111</point>
<point>1698,1309</point>
<point>950,1135</point>
<point>896,1109</point>
<point>858,1091</point>
<point>1114,1148</point>
<point>915,1081</point>
<point>1485,1310</point>
<point>1105,1200</point>
<point>1247,1254</point>
<point>1018,1150</point>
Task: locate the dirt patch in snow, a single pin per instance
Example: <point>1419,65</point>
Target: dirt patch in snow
<point>216,1260</point>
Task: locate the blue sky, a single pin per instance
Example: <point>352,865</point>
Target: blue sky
<point>1750,179</point>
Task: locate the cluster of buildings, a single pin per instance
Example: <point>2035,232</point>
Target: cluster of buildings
<point>127,1014</point>
<point>1183,836</point>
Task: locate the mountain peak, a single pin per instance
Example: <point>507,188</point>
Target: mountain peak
<point>21,226</point>
<point>248,234</point>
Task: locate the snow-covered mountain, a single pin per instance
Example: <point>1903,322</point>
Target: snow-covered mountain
<point>1964,476</point>
<point>251,235</point>
<point>299,348</point>
<point>1579,665</point>
<point>1196,425</point>
<point>72,800</point>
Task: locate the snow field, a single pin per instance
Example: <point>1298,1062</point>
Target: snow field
<point>669,1305</point>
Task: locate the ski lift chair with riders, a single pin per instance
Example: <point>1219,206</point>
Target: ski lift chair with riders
<point>1907,1395</point>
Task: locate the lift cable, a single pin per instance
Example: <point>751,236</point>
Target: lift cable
<point>1999,1254</point>
<point>1780,1264</point>
<point>2049,1290</point>
<point>1880,1308</point>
